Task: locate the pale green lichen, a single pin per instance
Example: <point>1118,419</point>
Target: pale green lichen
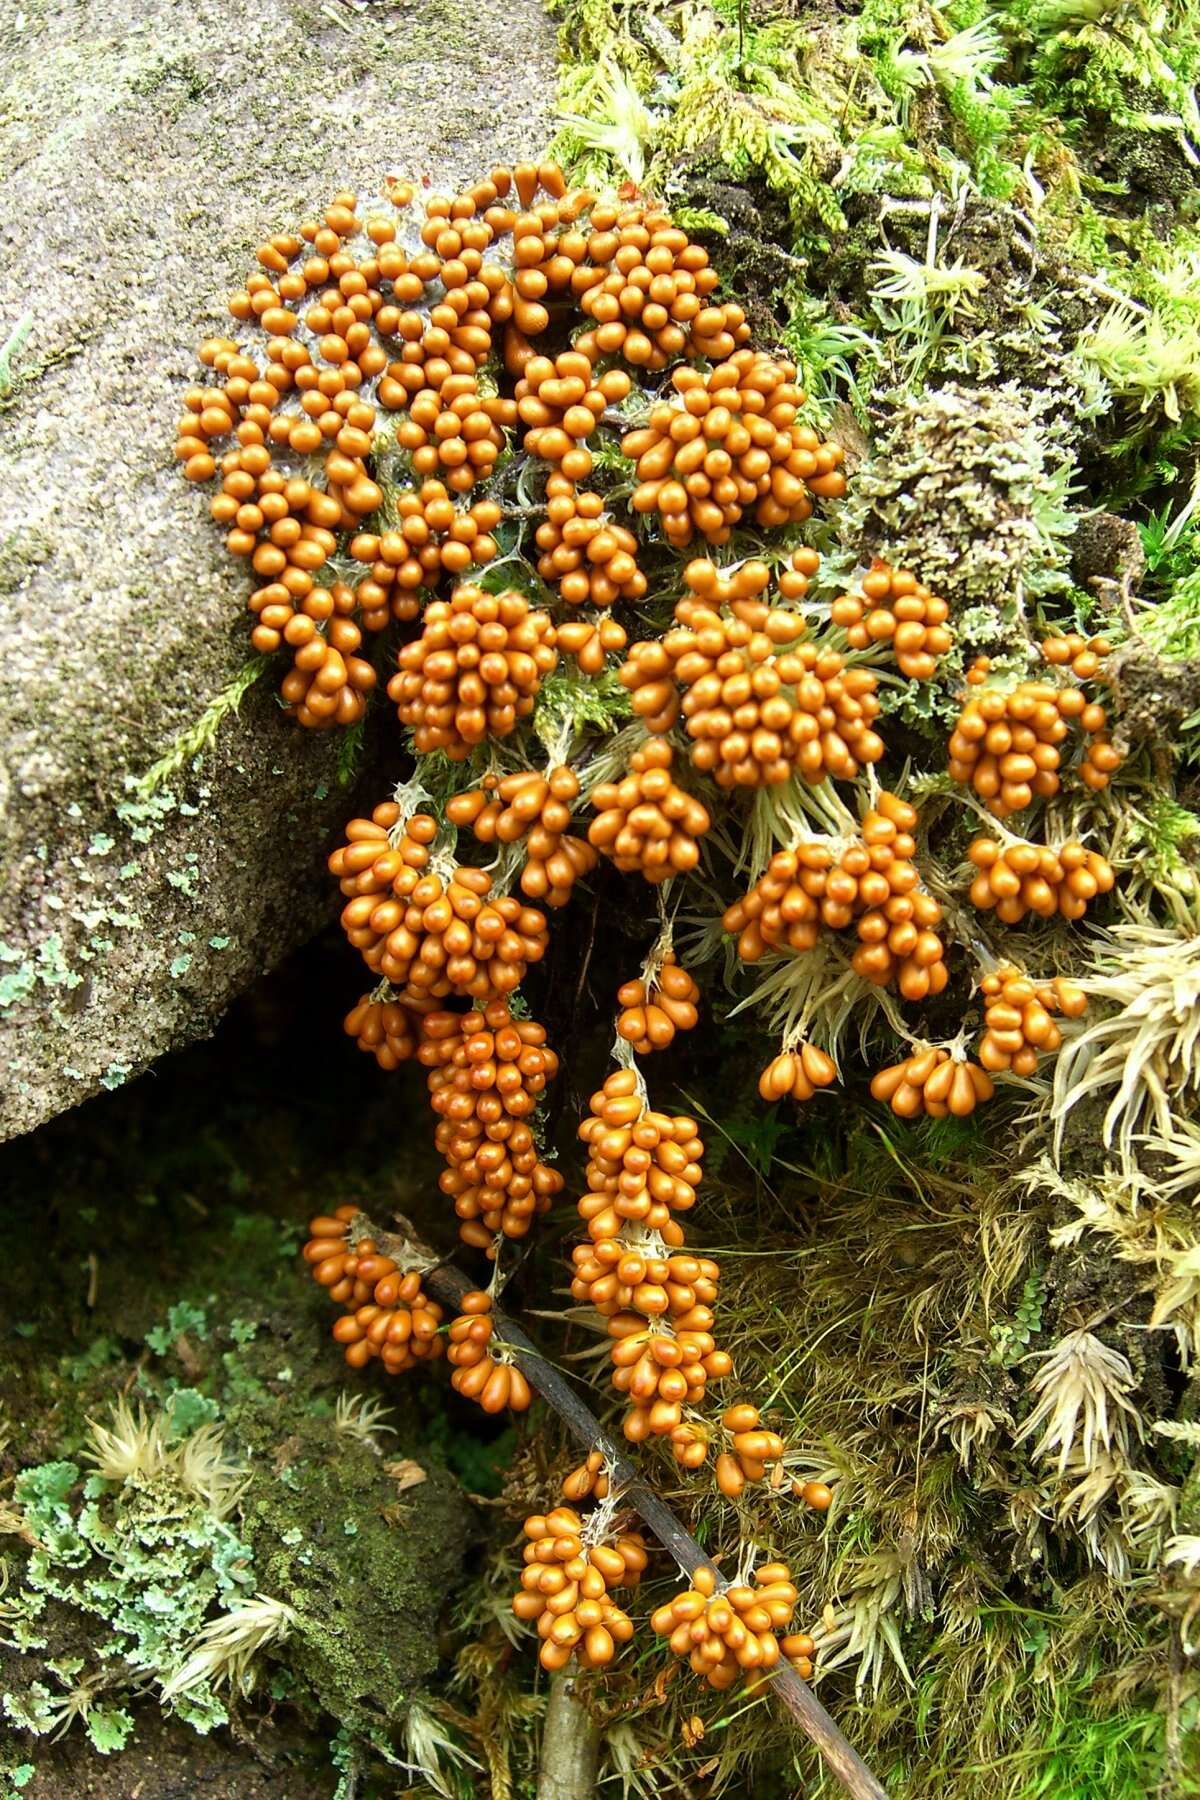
<point>139,1547</point>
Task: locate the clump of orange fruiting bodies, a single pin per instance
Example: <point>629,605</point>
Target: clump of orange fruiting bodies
<point>486,1073</point>
<point>1006,744</point>
<point>896,920</point>
<point>654,1008</point>
<point>454,432</point>
<point>452,339</point>
<point>565,1585</point>
<point>933,1082</point>
<point>750,1452</point>
<point>387,1313</point>
<point>724,1635</point>
<point>560,400</point>
<point>538,808</point>
<point>614,1277</point>
<point>585,554</point>
<point>642,1166</point>
<point>871,882</point>
<point>797,1074</point>
<point>893,608</point>
<point>432,537</point>
<point>1016,878</point>
<point>328,683</point>
<point>490,1379</point>
<point>1071,650</point>
<point>733,444</point>
<point>377,868</point>
<point>758,702</point>
<point>474,671</point>
<point>645,822</point>
<point>437,936</point>
<point>1018,1018</point>
<point>641,281</point>
<point>661,1368</point>
<point>290,431</point>
<point>387,1025</point>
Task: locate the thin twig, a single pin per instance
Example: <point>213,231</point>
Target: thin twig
<point>448,1283</point>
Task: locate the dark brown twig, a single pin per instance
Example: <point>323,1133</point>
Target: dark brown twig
<point>449,1284</point>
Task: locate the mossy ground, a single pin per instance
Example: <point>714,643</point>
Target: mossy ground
<point>153,1240</point>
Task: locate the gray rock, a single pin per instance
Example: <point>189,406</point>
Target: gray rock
<point>145,150</point>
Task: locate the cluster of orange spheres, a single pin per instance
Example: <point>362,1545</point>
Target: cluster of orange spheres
<point>643,1166</point>
<point>797,1074</point>
<point>646,821</point>
<point>561,400</point>
<point>872,883</point>
<point>893,608</point>
<point>483,1372</point>
<point>933,1082</point>
<point>727,1634</point>
<point>432,935</point>
<point>731,444</point>
<point>454,432</point>
<point>758,702</point>
<point>661,1367</point>
<point>1006,743</point>
<point>1071,650</point>
<point>645,286</point>
<point>474,671</point>
<point>590,558</point>
<point>1016,878</point>
<point>487,1071</point>
<point>537,808</point>
<point>328,683</point>
<point>752,1449</point>
<point>654,1007</point>
<point>748,1452</point>
<point>589,1480</point>
<point>1018,1018</point>
<point>431,537</point>
<point>387,1026</point>
<point>612,1276</point>
<point>565,1585</point>
<point>386,1312</point>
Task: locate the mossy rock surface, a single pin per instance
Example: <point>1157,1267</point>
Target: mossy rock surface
<point>142,161</point>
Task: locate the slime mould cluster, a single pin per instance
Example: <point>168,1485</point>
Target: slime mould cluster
<point>425,379</point>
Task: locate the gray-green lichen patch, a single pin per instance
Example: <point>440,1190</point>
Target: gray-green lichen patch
<point>141,161</point>
<point>968,485</point>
